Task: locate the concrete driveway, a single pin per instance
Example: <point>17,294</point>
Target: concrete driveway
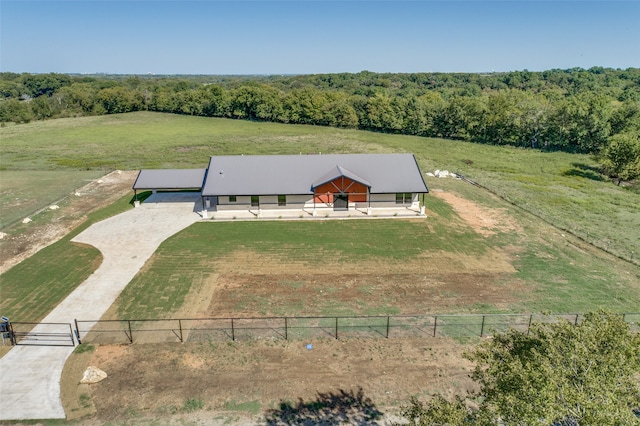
<point>30,375</point>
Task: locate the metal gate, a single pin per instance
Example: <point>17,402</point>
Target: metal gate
<point>41,334</point>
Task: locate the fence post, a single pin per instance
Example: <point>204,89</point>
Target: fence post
<point>73,342</point>
<point>233,331</point>
<point>130,332</point>
<point>435,325</point>
<point>180,326</point>
<point>286,334</point>
<point>576,321</point>
<point>529,326</point>
<point>336,328</point>
<point>482,327</point>
<point>12,335</point>
<point>77,331</point>
<point>388,319</point>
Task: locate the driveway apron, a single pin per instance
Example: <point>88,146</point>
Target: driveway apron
<point>30,375</point>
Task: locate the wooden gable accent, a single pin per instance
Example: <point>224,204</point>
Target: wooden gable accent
<point>343,185</point>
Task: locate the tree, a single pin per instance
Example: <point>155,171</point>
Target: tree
<point>13,110</point>
<point>621,157</point>
<point>44,84</point>
<point>41,107</point>
<point>555,374</point>
<point>117,100</point>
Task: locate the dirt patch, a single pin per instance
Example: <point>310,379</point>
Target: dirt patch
<point>354,294</point>
<point>270,285</point>
<point>22,241</point>
<point>234,381</point>
<point>484,221</point>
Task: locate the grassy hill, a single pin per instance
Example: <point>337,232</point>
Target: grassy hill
<point>527,266</point>
<point>562,188</point>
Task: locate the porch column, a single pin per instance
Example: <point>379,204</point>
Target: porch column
<point>314,212</point>
<point>204,208</point>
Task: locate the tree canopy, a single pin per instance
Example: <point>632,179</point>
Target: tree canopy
<point>557,374</point>
<point>574,110</point>
<point>621,156</point>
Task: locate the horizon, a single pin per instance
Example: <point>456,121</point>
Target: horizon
<point>481,73</point>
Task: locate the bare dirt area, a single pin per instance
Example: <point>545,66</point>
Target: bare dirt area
<point>358,381</point>
<point>484,221</point>
<point>362,294</point>
<point>23,240</point>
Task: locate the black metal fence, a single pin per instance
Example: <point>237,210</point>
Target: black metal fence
<point>38,334</point>
<point>298,328</point>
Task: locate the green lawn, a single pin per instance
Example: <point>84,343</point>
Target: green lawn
<point>558,276</point>
<point>32,288</point>
<point>564,189</point>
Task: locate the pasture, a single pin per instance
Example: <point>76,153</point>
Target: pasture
<point>564,189</point>
<point>474,253</point>
<point>558,185</point>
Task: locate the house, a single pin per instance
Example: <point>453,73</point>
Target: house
<point>309,183</point>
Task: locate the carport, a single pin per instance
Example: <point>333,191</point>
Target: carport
<point>169,180</point>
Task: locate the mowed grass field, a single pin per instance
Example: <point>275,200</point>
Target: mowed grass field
<point>372,267</point>
<point>539,268</point>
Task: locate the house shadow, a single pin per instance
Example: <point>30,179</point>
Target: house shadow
<point>328,409</point>
<point>584,171</point>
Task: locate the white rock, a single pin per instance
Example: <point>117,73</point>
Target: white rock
<point>430,174</point>
<point>54,207</point>
<point>436,173</point>
<point>93,375</point>
<point>77,194</point>
<point>2,235</point>
<point>99,180</point>
<point>26,220</point>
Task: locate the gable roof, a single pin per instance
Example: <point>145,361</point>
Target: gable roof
<point>298,174</point>
<point>339,172</point>
<point>170,179</point>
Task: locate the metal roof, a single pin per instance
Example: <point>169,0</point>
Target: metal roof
<point>338,172</point>
<point>170,179</point>
<point>298,174</point>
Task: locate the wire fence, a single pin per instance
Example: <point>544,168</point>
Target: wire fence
<point>599,241</point>
<point>299,328</point>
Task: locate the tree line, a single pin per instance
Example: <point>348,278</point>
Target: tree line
<point>573,110</point>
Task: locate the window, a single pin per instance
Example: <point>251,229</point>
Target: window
<point>282,200</point>
<point>232,198</point>
<point>255,201</point>
<point>404,198</point>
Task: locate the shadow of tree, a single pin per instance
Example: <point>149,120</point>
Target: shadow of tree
<point>584,171</point>
<point>332,408</point>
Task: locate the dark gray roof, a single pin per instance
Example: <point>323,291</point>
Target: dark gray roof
<point>298,174</point>
<point>170,179</point>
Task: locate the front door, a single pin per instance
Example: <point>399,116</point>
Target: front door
<point>340,201</point>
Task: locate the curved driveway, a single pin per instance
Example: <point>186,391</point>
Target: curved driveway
<point>30,375</point>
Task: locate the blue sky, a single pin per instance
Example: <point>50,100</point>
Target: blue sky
<point>305,37</point>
